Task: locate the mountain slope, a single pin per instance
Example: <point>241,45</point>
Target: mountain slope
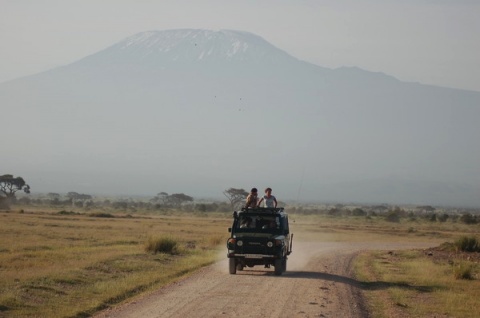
<point>198,111</point>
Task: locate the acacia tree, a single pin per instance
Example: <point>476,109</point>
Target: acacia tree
<point>172,200</point>
<point>177,199</point>
<point>235,196</point>
<point>9,185</point>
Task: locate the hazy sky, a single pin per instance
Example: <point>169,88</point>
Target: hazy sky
<point>428,41</point>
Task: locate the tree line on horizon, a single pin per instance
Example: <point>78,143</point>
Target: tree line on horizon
<point>10,185</point>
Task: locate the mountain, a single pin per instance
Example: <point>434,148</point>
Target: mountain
<point>199,111</point>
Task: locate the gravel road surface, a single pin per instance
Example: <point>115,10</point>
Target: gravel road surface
<point>318,283</point>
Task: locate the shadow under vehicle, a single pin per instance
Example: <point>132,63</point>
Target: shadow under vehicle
<point>259,236</point>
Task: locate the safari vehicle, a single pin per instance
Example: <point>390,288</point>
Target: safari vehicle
<point>259,236</point>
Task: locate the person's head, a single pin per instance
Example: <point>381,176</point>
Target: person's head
<point>268,190</point>
<point>254,191</point>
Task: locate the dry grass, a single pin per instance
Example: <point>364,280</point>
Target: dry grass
<point>73,264</point>
<point>57,265</point>
<point>415,284</point>
<point>408,283</point>
<point>348,229</point>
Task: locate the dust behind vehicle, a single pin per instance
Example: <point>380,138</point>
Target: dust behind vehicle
<point>259,237</point>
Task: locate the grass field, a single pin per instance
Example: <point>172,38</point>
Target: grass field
<point>435,282</point>
<point>70,264</point>
<point>414,284</point>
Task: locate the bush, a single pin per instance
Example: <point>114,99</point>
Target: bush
<point>443,217</point>
<point>101,215</point>
<point>468,218</point>
<point>463,270</point>
<point>467,244</point>
<point>161,245</point>
<point>63,212</point>
<point>358,212</point>
<point>393,216</point>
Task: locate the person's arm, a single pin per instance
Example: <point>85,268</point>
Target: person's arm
<point>275,200</point>
<point>247,203</point>
<point>259,202</point>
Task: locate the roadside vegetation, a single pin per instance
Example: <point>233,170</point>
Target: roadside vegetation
<point>442,281</point>
<point>73,257</point>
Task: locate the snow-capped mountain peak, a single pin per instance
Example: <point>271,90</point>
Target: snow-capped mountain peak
<point>192,45</point>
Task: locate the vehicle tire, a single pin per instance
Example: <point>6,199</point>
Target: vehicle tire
<point>239,266</point>
<point>232,266</point>
<point>284,263</point>
<point>278,264</point>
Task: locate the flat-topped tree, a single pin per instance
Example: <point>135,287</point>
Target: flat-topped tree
<point>9,185</point>
<point>235,196</point>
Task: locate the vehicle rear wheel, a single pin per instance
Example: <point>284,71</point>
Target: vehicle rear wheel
<point>284,263</point>
<point>278,264</point>
<point>232,266</point>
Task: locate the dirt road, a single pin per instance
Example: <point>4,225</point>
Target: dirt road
<point>317,283</point>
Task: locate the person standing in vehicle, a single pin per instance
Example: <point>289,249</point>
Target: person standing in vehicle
<point>252,199</point>
<point>270,200</point>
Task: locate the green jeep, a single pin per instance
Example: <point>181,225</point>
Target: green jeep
<point>259,236</point>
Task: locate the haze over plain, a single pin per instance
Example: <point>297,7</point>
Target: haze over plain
<point>322,135</point>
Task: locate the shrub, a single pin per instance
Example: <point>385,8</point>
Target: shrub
<point>468,218</point>
<point>334,212</point>
<point>443,217</point>
<point>161,245</point>
<point>463,270</point>
<point>467,244</point>
<point>358,212</point>
<point>393,216</point>
<point>63,212</point>
<point>101,215</point>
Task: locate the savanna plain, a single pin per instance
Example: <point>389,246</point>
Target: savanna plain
<point>75,263</point>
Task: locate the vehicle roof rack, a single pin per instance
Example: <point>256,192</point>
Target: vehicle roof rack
<point>262,210</point>
<point>258,210</point>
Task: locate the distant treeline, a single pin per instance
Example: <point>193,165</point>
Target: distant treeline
<point>394,213</point>
<point>178,203</point>
<point>163,202</point>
